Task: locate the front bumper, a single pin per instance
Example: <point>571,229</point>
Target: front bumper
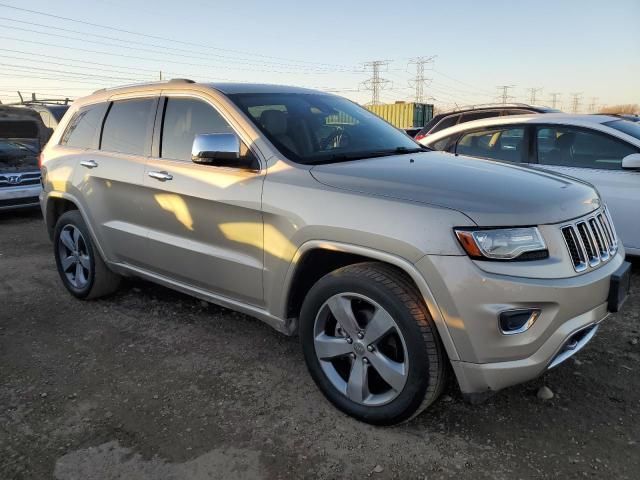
<point>471,299</point>
<point>19,197</point>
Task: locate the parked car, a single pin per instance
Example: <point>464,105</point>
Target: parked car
<point>22,135</point>
<point>51,114</point>
<point>477,112</point>
<point>394,264</point>
<point>600,149</point>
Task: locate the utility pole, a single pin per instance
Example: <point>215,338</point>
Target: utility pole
<point>376,83</point>
<point>575,102</point>
<point>503,93</point>
<point>554,99</point>
<point>592,105</point>
<point>533,91</point>
<point>160,75</point>
<point>419,82</point>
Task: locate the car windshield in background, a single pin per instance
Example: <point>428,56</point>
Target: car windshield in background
<point>625,126</point>
<point>317,128</point>
<point>58,111</point>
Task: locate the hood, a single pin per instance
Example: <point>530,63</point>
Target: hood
<point>490,193</point>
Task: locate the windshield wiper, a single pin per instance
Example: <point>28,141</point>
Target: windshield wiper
<point>343,157</point>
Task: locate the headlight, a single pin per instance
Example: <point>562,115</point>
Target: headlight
<point>503,243</point>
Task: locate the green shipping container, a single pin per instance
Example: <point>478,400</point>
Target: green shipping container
<point>404,115</point>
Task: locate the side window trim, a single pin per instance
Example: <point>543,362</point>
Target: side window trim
<point>165,96</point>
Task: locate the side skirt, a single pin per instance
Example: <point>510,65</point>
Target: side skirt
<point>287,327</point>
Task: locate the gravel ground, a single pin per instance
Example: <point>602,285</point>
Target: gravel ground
<point>152,384</point>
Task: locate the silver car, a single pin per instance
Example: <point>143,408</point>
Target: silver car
<point>22,135</point>
<point>394,265</point>
<point>600,149</point>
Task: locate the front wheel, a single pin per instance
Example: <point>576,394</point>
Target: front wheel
<point>371,345</point>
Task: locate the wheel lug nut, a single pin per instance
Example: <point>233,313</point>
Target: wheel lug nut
<point>360,335</point>
<point>370,348</point>
<point>365,360</point>
<point>352,355</point>
<point>349,340</point>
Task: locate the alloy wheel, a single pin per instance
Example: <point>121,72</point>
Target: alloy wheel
<point>74,256</point>
<point>361,349</point>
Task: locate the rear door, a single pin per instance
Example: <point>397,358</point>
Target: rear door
<point>204,221</point>
<point>597,158</point>
<point>111,179</point>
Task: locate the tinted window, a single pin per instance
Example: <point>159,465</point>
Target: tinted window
<point>84,126</point>
<point>498,143</point>
<point>571,147</point>
<point>314,128</point>
<point>184,119</point>
<point>46,118</point>
<point>446,123</point>
<point>467,117</point>
<point>127,128</point>
<point>626,126</point>
<point>441,144</point>
<point>518,112</point>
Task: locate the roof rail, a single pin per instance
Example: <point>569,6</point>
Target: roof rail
<point>41,101</point>
<point>160,82</point>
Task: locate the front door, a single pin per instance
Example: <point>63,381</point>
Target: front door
<point>204,221</point>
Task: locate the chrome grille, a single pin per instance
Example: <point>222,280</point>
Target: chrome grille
<point>591,240</point>
<point>19,179</point>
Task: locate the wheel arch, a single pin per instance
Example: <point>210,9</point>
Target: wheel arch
<point>314,259</point>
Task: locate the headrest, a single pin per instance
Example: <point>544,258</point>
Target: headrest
<point>274,121</point>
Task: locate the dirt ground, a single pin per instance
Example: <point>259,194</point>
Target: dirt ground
<point>152,384</point>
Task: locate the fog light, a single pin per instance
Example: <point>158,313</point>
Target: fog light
<point>518,320</point>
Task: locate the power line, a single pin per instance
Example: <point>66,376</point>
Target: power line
<point>554,99</point>
<point>157,37</point>
<point>533,91</point>
<point>503,93</point>
<point>376,83</point>
<point>419,82</point>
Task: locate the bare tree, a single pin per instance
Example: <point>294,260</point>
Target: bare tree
<point>626,108</point>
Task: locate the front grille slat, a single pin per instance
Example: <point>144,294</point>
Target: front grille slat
<point>590,241</point>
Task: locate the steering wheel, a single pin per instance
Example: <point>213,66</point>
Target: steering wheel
<point>335,139</point>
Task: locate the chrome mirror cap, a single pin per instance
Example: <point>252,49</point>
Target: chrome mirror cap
<point>209,147</point>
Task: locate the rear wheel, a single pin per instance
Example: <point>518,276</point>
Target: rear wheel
<point>371,345</point>
<point>81,269</point>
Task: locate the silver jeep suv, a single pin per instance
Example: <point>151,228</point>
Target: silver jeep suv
<point>395,265</point>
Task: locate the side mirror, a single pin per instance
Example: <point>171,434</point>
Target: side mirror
<point>631,162</point>
<point>221,149</point>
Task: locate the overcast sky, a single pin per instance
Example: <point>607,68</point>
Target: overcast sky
<point>586,46</point>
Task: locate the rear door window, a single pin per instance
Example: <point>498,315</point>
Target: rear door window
<point>128,126</point>
<point>82,131</point>
<point>446,123</point>
<point>468,117</point>
<point>497,143</point>
<point>575,147</point>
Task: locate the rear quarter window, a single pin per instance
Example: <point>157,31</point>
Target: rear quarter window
<point>84,126</point>
<point>127,128</point>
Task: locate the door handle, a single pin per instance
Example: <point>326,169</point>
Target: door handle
<point>162,176</point>
<point>89,163</point>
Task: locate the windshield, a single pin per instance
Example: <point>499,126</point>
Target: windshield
<point>625,126</point>
<point>317,128</point>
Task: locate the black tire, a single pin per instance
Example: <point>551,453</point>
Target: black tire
<point>392,290</point>
<point>100,281</point>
